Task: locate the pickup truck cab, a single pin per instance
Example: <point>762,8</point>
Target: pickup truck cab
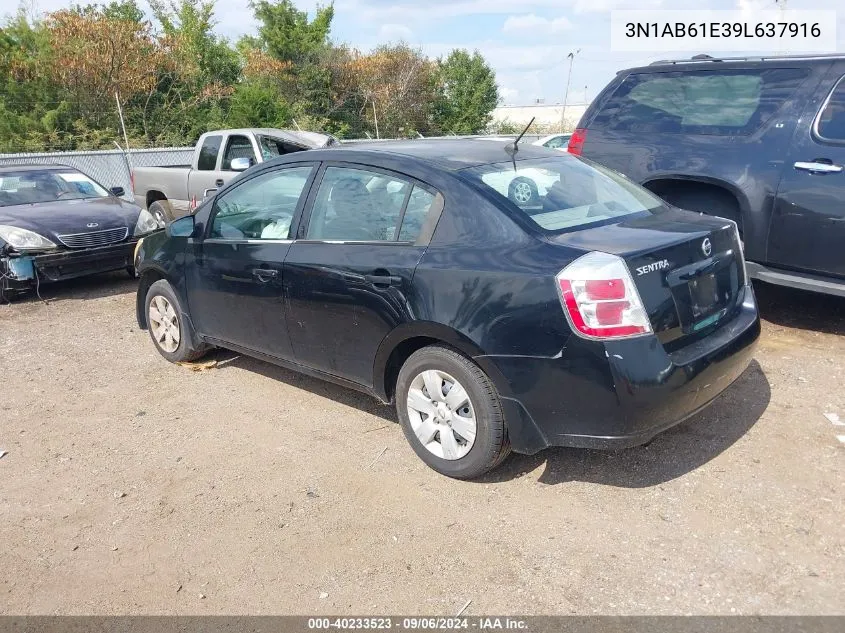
<point>760,141</point>
<point>173,191</point>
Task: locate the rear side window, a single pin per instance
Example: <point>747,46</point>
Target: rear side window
<point>363,205</point>
<point>830,125</point>
<point>208,153</point>
<point>565,193</point>
<point>717,102</point>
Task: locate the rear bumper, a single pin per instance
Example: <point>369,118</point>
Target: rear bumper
<point>623,393</point>
<point>21,270</point>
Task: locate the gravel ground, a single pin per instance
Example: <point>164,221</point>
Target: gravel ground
<point>132,486</point>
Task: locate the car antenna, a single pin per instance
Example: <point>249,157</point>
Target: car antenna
<point>512,148</point>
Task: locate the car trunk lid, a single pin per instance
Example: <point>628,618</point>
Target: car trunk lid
<point>687,268</point>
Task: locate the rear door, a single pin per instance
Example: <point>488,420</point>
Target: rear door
<point>235,284</point>
<point>808,225</point>
<point>348,275</point>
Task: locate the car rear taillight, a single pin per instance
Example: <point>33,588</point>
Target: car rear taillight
<point>576,141</point>
<point>600,299</point>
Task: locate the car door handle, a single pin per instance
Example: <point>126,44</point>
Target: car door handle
<point>818,168</point>
<point>383,280</point>
<point>265,275</point>
<point>219,182</point>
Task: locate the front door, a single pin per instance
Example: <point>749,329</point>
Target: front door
<point>808,225</point>
<point>235,282</point>
<point>349,278</point>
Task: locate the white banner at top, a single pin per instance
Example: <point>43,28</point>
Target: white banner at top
<point>708,31</point>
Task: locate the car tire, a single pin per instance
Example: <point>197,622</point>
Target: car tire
<point>448,371</point>
<point>173,336</point>
<point>524,192</point>
<point>160,210</point>
<point>130,270</point>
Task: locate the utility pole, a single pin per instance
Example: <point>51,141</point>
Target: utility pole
<point>585,95</point>
<point>375,118</point>
<point>571,57</point>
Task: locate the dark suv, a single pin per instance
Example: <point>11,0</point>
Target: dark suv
<point>758,140</point>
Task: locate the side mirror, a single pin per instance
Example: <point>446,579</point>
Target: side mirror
<point>240,164</point>
<point>183,227</point>
<point>117,191</point>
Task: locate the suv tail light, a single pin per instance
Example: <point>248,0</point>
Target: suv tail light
<point>600,299</point>
<point>576,141</point>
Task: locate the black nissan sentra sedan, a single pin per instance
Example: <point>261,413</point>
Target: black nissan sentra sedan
<point>57,223</point>
<point>504,301</point>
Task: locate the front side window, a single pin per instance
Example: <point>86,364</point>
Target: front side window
<point>557,142</point>
<point>37,186</point>
<point>207,160</point>
<point>830,125</point>
<point>563,193</point>
<point>261,208</point>
<point>238,147</point>
<point>717,102</point>
<point>357,205</point>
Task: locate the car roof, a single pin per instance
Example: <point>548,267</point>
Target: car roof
<point>5,169</point>
<point>714,63</point>
<point>316,139</point>
<point>448,154</point>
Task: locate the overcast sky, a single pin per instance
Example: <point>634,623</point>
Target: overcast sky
<point>526,41</point>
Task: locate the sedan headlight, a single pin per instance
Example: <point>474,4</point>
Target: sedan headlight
<point>24,240</point>
<point>146,223</point>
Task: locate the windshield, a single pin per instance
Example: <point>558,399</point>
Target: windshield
<point>46,185</point>
<point>564,192</point>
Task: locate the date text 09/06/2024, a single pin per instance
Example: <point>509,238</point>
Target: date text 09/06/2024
<point>718,30</point>
<point>418,624</point>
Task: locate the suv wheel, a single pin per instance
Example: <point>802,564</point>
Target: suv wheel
<point>450,413</point>
<point>166,325</point>
<point>523,191</point>
<point>161,212</point>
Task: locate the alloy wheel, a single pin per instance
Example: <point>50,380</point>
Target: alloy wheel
<point>522,192</point>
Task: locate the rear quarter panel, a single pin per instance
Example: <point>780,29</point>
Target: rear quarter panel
<point>484,277</point>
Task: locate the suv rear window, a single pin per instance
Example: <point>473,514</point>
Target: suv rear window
<point>565,193</point>
<point>717,102</point>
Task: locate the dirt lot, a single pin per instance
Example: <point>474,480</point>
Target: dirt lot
<point>136,486</point>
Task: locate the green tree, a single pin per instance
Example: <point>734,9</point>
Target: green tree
<point>26,94</point>
<point>189,25</point>
<point>287,34</point>
<point>127,10</point>
<point>257,105</point>
<point>469,93</point>
<point>189,97</point>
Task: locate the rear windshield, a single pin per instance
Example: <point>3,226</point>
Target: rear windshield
<point>564,193</point>
<point>38,186</point>
<point>718,102</point>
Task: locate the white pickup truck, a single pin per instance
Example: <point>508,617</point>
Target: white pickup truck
<point>173,191</point>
